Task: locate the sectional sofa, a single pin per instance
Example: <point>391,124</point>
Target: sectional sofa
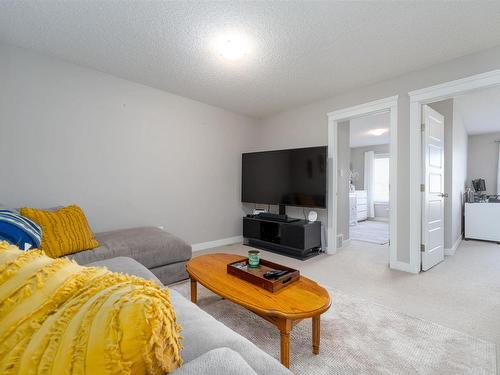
<point>164,254</point>
<point>209,347</point>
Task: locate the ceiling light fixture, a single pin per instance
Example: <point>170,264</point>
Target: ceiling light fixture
<point>232,47</point>
<point>378,132</point>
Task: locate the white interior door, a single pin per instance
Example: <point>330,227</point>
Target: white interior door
<point>433,188</point>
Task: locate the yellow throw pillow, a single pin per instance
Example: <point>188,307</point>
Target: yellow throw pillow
<point>64,231</point>
<point>57,317</point>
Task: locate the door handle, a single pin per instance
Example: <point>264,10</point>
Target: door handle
<point>443,195</point>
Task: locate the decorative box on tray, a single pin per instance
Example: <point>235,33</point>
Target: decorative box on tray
<point>255,275</point>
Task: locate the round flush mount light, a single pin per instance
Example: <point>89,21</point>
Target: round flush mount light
<point>232,47</point>
<point>378,132</point>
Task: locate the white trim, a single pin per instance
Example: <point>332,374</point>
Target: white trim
<point>456,87</point>
<point>345,243</point>
<point>402,266</point>
<point>393,184</point>
<point>415,181</point>
<point>363,109</point>
<point>417,99</point>
<point>217,243</point>
<point>386,104</point>
<point>331,231</point>
<point>454,247</point>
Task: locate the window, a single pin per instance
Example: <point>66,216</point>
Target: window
<point>381,179</point>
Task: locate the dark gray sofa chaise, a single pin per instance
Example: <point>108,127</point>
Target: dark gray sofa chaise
<point>209,347</point>
<point>161,252</point>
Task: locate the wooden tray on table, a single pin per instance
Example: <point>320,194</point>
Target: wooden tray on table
<point>256,275</point>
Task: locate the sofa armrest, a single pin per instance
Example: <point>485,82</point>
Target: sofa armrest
<point>217,361</point>
<point>128,266</point>
<point>151,246</point>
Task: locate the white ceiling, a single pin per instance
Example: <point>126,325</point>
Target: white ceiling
<point>361,126</point>
<point>480,111</point>
<point>301,51</point>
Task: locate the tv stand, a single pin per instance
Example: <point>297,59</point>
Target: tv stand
<point>299,239</point>
<point>282,209</point>
<point>276,217</point>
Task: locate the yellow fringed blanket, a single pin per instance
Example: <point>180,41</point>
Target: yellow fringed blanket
<point>58,318</point>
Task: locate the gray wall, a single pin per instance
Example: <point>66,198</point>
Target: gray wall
<point>358,161</point>
<point>483,160</point>
<point>344,154</point>
<point>460,164</point>
<point>381,210</point>
<point>74,135</point>
<point>128,154</point>
<point>307,125</point>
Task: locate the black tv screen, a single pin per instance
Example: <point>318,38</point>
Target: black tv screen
<point>295,177</point>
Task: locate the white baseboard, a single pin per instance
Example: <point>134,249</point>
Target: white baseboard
<point>379,218</point>
<point>216,243</point>
<point>345,243</point>
<point>401,266</point>
<point>455,246</point>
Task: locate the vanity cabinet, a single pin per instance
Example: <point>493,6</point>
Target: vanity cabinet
<point>358,204</point>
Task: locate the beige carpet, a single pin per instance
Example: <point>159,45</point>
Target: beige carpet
<point>358,337</point>
<point>372,231</point>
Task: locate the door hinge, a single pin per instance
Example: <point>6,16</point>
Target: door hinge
<point>422,248</point>
<point>422,127</point>
<point>422,188</point>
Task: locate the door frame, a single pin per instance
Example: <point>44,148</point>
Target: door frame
<point>387,104</point>
<point>418,98</point>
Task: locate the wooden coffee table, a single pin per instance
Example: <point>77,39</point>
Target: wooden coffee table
<point>285,308</point>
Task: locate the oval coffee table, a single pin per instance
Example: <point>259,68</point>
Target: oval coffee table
<point>285,308</point>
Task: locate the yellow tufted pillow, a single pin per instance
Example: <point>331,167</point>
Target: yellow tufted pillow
<point>57,317</point>
<point>64,231</point>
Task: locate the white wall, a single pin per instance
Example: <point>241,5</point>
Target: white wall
<point>307,125</point>
<point>483,159</point>
<point>128,154</point>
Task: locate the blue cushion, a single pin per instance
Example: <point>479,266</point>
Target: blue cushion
<point>19,230</point>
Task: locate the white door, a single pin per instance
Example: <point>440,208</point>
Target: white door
<point>433,188</point>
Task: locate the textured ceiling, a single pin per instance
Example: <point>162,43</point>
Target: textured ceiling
<point>361,126</point>
<point>301,51</point>
<point>480,111</point>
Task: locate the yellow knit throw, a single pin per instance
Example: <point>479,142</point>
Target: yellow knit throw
<point>59,318</point>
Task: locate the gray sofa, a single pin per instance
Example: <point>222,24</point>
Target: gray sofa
<point>210,348</point>
<point>161,252</point>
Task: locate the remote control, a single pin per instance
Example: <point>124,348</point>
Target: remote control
<point>274,274</point>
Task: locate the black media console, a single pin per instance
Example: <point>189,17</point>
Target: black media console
<point>298,239</point>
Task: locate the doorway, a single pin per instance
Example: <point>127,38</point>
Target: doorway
<point>340,171</point>
<point>470,155</point>
<point>367,178</point>
<point>423,245</point>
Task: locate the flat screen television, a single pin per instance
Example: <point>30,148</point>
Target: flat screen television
<point>295,177</point>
